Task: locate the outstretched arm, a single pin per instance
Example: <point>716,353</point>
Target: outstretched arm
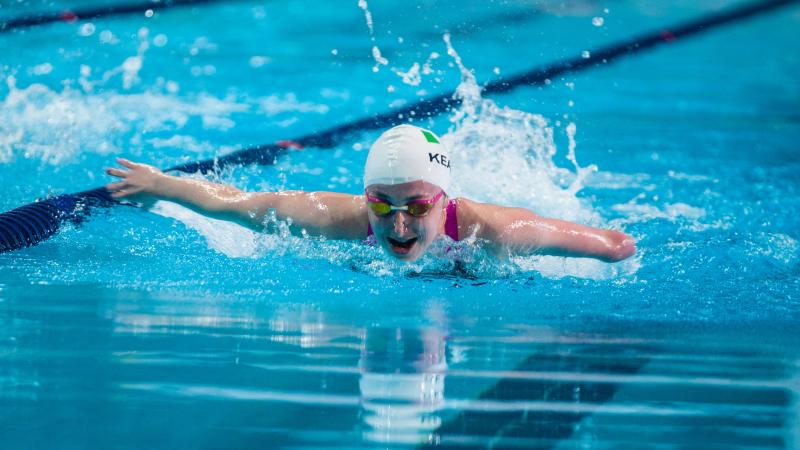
<point>329,214</point>
<point>518,231</point>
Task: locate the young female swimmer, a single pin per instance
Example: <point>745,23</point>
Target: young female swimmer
<point>405,206</point>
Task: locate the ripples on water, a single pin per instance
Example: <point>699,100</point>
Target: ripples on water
<point>170,330</point>
<point>216,372</point>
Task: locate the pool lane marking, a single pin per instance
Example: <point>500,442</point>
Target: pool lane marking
<point>74,15</point>
<point>244,393</point>
<point>76,207</point>
<point>637,44</point>
<point>438,104</point>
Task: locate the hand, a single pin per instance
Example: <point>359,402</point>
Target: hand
<point>140,179</point>
<point>621,246</point>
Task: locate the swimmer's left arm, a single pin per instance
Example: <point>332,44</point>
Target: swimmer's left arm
<point>518,231</point>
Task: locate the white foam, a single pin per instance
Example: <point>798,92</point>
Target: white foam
<point>273,105</point>
<point>37,122</point>
<point>779,247</point>
<point>228,238</point>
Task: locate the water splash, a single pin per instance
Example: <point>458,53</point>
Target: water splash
<point>412,76</point>
<point>105,123</point>
<point>376,52</point>
<point>80,121</point>
<point>504,156</point>
<point>367,16</point>
<point>132,65</point>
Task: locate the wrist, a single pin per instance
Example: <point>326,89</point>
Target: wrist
<point>160,184</point>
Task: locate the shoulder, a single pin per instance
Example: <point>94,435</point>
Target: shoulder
<point>485,220</point>
<point>470,215</point>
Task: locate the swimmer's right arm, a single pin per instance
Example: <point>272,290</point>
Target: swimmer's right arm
<point>333,215</point>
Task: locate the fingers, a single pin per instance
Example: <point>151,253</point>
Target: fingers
<point>127,163</point>
<point>125,192</point>
<point>116,186</point>
<point>116,172</point>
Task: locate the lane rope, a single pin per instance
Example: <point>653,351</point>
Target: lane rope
<point>33,223</point>
<point>70,15</point>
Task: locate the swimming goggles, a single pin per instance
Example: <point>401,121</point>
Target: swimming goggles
<point>416,208</point>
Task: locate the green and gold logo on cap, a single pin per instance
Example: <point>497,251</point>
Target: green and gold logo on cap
<point>430,137</point>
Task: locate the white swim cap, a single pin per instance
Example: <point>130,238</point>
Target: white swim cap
<point>408,153</point>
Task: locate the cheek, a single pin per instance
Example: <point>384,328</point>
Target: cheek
<point>428,228</point>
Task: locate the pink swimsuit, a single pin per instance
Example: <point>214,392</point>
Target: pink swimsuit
<point>450,222</point>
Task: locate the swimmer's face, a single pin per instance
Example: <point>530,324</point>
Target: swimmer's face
<point>401,234</point>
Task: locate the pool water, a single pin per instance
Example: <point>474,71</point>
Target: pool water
<point>166,329</point>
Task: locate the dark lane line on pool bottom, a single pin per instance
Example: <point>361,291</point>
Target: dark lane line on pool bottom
<point>17,233</point>
<point>618,395</point>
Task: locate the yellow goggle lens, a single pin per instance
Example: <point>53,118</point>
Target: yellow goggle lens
<point>380,208</point>
<point>419,209</point>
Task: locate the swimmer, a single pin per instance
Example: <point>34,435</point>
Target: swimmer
<point>405,206</point>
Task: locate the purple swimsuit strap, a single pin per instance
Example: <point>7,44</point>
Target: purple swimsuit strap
<point>450,222</point>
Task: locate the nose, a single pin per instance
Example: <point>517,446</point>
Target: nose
<point>399,222</point>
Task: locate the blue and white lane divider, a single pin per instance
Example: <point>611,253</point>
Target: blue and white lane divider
<point>33,223</point>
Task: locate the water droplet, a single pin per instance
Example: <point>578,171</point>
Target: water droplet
<point>107,37</point>
<point>334,52</point>
<point>42,69</point>
<point>172,87</point>
<point>160,40</point>
<point>86,29</point>
<point>148,13</point>
<point>259,61</point>
<point>496,71</point>
<point>597,21</point>
<point>585,54</point>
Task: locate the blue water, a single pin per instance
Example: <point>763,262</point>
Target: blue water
<point>164,329</point>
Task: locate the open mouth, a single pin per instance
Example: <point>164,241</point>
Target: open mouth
<point>401,247</point>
